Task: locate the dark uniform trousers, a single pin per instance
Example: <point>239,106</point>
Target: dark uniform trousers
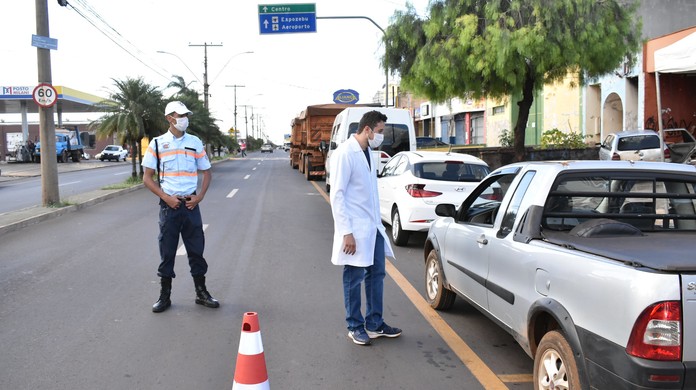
<point>188,224</point>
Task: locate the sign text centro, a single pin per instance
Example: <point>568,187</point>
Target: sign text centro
<point>346,96</point>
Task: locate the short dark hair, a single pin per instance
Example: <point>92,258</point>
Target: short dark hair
<point>371,119</point>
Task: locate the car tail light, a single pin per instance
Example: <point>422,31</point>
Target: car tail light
<point>496,195</point>
<point>656,335</point>
<point>615,157</point>
<point>383,155</point>
<point>419,191</point>
<point>668,155</point>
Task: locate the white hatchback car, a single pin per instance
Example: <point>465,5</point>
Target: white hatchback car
<point>413,183</point>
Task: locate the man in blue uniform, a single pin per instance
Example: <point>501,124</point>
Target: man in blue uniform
<point>177,157</point>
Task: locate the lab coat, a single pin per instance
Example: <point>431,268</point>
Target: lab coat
<point>355,205</point>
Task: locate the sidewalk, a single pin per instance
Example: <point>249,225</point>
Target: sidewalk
<point>15,220</point>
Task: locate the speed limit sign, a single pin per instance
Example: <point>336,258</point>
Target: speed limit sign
<point>45,95</point>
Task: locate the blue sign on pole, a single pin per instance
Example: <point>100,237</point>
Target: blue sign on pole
<point>44,42</point>
<point>287,18</point>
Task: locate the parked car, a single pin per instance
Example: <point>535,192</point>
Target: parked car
<point>266,148</point>
<point>413,183</point>
<point>112,152</point>
<point>589,266</point>
<point>429,142</point>
<point>644,145</point>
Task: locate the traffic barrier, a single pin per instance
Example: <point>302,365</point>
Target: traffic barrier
<point>250,372</point>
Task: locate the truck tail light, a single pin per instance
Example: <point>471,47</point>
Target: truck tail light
<point>656,335</point>
<point>419,191</point>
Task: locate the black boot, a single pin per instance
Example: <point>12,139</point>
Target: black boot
<point>202,295</point>
<point>163,302</point>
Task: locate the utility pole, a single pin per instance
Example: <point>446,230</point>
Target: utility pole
<point>47,128</point>
<point>205,70</point>
<point>235,86</point>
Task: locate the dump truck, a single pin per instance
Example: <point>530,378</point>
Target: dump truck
<point>309,129</point>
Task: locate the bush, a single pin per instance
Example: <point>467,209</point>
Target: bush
<point>560,140</point>
<point>506,138</point>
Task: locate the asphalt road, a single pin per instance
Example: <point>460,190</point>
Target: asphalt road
<point>76,292</point>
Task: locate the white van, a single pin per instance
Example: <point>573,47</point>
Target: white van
<point>399,133</point>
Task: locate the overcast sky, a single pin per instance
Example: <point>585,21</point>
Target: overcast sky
<point>285,73</point>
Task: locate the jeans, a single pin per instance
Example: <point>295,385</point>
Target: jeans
<point>188,224</point>
<point>374,291</point>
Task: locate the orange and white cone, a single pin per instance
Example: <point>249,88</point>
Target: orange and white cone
<point>250,372</point>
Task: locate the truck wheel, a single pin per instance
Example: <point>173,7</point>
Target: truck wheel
<point>308,169</point>
<point>76,157</point>
<point>554,364</point>
<point>437,295</point>
<point>63,156</point>
<point>399,236</point>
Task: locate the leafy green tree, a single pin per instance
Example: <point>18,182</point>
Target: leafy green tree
<point>134,110</point>
<point>501,48</point>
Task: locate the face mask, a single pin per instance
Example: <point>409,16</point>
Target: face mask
<point>375,142</point>
<point>181,124</point>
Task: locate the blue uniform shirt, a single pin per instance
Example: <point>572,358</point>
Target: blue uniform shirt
<point>180,161</point>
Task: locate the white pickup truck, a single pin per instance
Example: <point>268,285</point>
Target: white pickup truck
<point>589,265</point>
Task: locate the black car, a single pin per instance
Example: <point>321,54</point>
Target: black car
<point>429,142</point>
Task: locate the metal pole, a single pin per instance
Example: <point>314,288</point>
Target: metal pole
<point>661,130</point>
<point>235,106</point>
<point>386,67</point>
<point>47,130</point>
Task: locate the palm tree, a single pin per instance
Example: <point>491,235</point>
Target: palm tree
<point>134,110</point>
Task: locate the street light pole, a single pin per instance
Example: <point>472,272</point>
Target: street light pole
<point>182,61</point>
<point>205,70</point>
<point>235,86</point>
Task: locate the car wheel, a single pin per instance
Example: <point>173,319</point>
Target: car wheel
<point>437,295</point>
<point>554,364</point>
<point>399,236</point>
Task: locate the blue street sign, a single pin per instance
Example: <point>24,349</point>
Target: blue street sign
<point>44,42</point>
<point>287,18</point>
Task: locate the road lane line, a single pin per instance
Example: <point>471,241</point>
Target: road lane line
<point>231,194</point>
<point>253,169</point>
<point>247,176</point>
<point>68,183</point>
<point>485,376</point>
<point>182,249</point>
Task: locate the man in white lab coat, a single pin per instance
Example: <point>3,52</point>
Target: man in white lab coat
<point>360,242</point>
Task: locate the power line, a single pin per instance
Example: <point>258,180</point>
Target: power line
<point>88,9</point>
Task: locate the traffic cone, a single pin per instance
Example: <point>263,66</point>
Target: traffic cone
<point>250,372</point>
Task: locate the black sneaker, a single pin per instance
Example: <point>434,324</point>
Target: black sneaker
<point>384,331</point>
<point>359,336</point>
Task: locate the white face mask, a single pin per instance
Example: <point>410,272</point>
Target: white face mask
<point>375,142</point>
<point>181,124</point>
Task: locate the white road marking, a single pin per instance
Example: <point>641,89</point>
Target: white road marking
<point>68,183</point>
<point>122,173</point>
<point>247,176</point>
<point>253,169</point>
<point>182,249</point>
<point>231,194</point>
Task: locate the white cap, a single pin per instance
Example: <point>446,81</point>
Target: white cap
<point>178,107</point>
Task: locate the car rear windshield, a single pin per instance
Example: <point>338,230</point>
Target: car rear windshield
<point>111,148</point>
<point>639,142</point>
<point>396,137</point>
<point>450,171</point>
<point>649,201</point>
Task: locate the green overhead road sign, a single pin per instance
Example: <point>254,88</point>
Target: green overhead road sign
<point>287,18</point>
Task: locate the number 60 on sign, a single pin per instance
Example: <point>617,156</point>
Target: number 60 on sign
<point>45,95</point>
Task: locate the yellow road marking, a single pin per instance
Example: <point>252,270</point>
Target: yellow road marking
<point>487,378</point>
<point>516,378</point>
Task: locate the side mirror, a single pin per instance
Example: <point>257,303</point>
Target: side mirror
<point>323,147</point>
<point>445,210</point>
<point>333,145</point>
